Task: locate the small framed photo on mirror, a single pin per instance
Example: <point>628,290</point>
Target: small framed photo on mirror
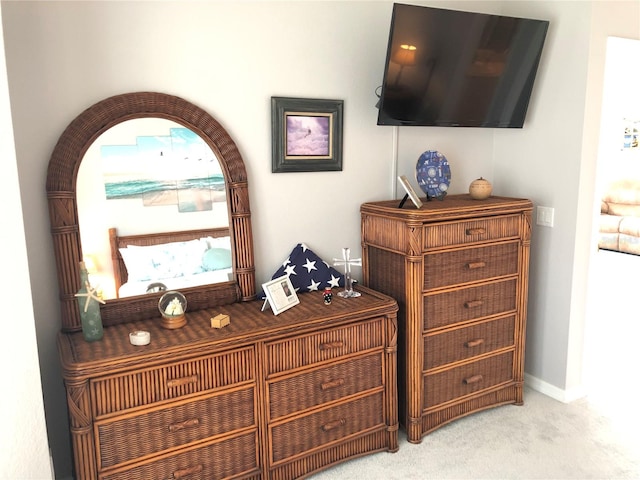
<point>280,294</point>
<point>410,191</point>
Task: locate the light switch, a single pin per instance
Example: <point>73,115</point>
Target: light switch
<point>545,216</point>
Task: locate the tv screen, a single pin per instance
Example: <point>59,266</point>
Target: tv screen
<point>459,69</point>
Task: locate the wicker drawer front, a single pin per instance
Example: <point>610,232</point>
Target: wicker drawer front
<point>304,350</point>
<point>224,459</point>
<point>317,429</point>
<point>324,385</point>
<point>468,342</point>
<point>469,303</point>
<point>144,387</point>
<point>170,427</point>
<point>470,265</point>
<point>466,379</point>
<point>473,231</point>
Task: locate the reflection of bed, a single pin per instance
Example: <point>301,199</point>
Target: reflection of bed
<point>175,260</point>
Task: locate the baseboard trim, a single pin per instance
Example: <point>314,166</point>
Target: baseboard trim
<point>564,396</point>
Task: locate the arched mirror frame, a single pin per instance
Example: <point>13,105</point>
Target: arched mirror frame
<point>63,212</point>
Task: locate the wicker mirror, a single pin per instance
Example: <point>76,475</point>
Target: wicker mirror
<point>142,177</point>
<point>63,209</point>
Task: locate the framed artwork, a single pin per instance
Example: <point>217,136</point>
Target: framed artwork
<point>410,191</point>
<point>280,294</point>
<point>306,135</point>
<point>631,130</point>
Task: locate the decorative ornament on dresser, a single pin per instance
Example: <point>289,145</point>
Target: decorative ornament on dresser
<point>172,306</point>
<point>89,304</point>
<point>327,296</point>
<point>480,189</point>
<point>347,261</point>
<point>433,174</point>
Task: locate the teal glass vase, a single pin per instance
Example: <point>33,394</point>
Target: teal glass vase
<point>89,308</point>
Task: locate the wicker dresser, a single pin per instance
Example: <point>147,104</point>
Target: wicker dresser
<point>265,397</point>
<point>458,269</point>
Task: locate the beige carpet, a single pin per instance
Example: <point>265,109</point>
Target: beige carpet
<point>544,439</point>
<point>594,438</point>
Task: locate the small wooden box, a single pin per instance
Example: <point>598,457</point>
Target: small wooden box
<point>220,321</point>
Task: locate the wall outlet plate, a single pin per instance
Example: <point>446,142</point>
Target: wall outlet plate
<point>545,216</point>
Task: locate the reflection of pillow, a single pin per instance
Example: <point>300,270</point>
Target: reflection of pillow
<point>167,260</point>
<point>217,242</point>
<point>139,266</point>
<point>308,272</point>
<point>216,259</point>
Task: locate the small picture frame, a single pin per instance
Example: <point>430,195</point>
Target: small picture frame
<point>410,191</point>
<point>306,135</point>
<point>280,294</point>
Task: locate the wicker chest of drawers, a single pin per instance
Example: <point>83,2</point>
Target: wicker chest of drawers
<point>458,269</point>
<point>265,397</point>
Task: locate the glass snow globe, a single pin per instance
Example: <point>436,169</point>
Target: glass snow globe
<point>172,306</point>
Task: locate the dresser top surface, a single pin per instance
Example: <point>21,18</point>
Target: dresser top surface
<point>247,324</point>
<point>451,207</point>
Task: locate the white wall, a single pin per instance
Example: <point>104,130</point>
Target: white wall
<point>24,450</point>
<point>231,57</point>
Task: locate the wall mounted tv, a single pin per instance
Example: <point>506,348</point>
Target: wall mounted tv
<point>459,69</point>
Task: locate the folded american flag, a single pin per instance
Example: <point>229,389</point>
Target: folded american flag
<point>308,272</point>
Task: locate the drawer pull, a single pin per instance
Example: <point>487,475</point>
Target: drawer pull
<point>474,343</point>
<point>174,427</point>
<point>473,304</point>
<point>474,379</point>
<point>178,382</point>
<point>331,345</point>
<point>335,424</point>
<point>332,384</point>
<point>187,471</point>
<point>473,265</point>
<point>476,231</point>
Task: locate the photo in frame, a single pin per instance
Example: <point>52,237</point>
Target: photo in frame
<point>409,191</point>
<point>306,134</point>
<point>280,294</point>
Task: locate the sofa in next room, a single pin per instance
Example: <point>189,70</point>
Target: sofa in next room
<point>620,217</point>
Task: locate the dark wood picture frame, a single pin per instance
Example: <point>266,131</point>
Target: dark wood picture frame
<point>306,134</point>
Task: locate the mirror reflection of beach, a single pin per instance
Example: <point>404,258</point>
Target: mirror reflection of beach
<point>141,176</point>
<point>199,198</point>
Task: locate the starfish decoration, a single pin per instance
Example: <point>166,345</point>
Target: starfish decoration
<point>91,294</point>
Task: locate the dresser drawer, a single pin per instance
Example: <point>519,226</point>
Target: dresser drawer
<point>471,231</point>
<point>463,343</point>
<point>305,350</point>
<point>324,385</point>
<point>466,379</point>
<point>116,393</point>
<point>470,264</point>
<point>469,303</point>
<point>316,429</point>
<point>128,438</point>
<point>224,459</point>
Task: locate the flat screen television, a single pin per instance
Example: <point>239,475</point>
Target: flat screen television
<point>459,69</point>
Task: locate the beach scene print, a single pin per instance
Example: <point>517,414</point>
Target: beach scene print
<point>174,169</point>
<point>308,135</point>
